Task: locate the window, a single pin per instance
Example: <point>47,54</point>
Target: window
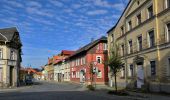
<point>167,3</point>
<point>129,25</point>
<point>99,74</point>
<point>138,19</point>
<point>131,69</point>
<point>122,48</point>
<point>73,63</point>
<point>169,66</point>
<point>140,43</point>
<point>150,11</point>
<point>168,32</point>
<point>84,60</point>
<point>1,53</point>
<point>130,47</point>
<point>1,74</point>
<point>153,68</point>
<point>123,72</point>
<point>12,55</point>
<point>98,59</point>
<point>104,46</point>
<point>151,39</point>
<point>122,30</point>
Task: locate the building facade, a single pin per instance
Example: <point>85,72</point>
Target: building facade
<point>10,57</point>
<point>143,36</point>
<point>61,66</point>
<point>88,58</point>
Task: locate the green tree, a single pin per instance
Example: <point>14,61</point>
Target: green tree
<point>115,63</point>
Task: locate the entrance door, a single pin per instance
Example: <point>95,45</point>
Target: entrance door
<point>140,76</point>
<point>11,75</point>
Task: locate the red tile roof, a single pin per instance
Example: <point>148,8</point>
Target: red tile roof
<point>67,52</point>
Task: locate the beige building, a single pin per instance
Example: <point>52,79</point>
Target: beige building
<point>10,57</point>
<point>143,36</point>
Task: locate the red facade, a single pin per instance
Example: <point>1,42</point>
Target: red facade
<point>90,57</point>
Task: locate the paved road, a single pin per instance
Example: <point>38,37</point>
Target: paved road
<point>51,91</point>
<point>58,91</point>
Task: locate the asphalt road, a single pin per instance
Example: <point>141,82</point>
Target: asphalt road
<point>53,91</point>
<point>60,91</point>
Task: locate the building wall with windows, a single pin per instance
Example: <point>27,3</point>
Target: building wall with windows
<point>92,56</point>
<point>146,47</point>
<point>10,57</point>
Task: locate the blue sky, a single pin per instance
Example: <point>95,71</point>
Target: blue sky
<point>48,26</point>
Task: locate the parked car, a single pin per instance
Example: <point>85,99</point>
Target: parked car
<point>28,80</point>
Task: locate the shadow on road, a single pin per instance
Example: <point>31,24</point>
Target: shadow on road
<point>52,95</point>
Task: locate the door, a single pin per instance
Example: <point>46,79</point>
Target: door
<point>140,76</point>
<point>11,76</point>
<point>1,74</point>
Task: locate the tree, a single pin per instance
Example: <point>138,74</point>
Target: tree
<point>115,63</point>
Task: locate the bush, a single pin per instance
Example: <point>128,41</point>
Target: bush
<point>91,87</point>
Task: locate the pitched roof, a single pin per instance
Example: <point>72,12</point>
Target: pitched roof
<point>67,52</point>
<point>7,33</point>
<point>88,46</point>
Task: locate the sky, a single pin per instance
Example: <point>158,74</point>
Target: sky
<point>48,26</point>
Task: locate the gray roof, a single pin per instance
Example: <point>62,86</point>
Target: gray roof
<point>88,46</point>
<point>8,33</point>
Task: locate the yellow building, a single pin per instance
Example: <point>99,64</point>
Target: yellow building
<point>10,57</point>
<point>143,36</point>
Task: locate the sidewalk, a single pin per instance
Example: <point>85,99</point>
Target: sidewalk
<point>134,95</point>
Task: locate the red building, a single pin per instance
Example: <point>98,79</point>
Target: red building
<point>87,59</point>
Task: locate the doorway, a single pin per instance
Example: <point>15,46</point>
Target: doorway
<point>11,75</point>
<point>140,76</point>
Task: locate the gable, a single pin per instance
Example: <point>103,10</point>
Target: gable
<point>133,6</point>
<point>16,38</point>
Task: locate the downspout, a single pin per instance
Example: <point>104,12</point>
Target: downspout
<point>157,42</point>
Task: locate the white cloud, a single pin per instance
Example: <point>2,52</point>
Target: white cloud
<point>56,3</point>
<point>97,12</point>
<point>34,4</point>
<point>42,12</point>
<point>42,21</point>
<point>14,3</point>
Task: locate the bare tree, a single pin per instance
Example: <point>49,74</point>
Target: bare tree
<point>115,63</point>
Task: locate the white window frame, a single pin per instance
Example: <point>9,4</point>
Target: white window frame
<point>166,4</point>
<point>129,52</point>
<point>137,20</point>
<point>12,57</point>
<point>99,75</point>
<point>149,43</point>
<point>148,11</point>
<point>122,31</point>
<point>129,25</point>
<point>100,59</point>
<point>138,42</point>
<point>104,46</point>
<point>151,68</point>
